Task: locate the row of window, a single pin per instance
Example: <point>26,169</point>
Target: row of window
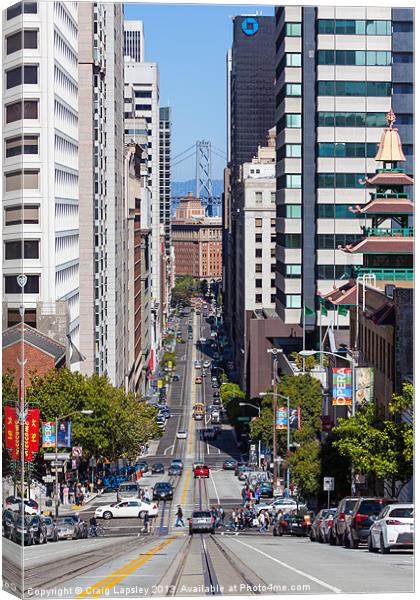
<point>354,27</point>
<point>23,39</point>
<point>258,283</point>
<point>258,252</point>
<point>24,74</point>
<point>18,249</point>
<point>259,222</point>
<point>259,197</point>
<point>324,211</point>
<point>348,149</point>
<point>354,88</point>
<point>11,285</point>
<point>258,298</point>
<point>22,144</point>
<point>27,179</point>
<point>355,57</point>
<point>353,119</point>
<point>21,7</point>
<point>22,109</point>
<point>26,214</point>
<point>325,241</point>
<point>322,271</point>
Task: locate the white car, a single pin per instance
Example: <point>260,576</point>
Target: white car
<point>181,435</point>
<point>285,504</point>
<point>197,364</point>
<point>128,508</point>
<point>394,528</point>
<point>206,364</point>
<point>15,504</point>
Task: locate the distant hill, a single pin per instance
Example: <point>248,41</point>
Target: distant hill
<point>181,188</point>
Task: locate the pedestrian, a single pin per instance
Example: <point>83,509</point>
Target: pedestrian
<point>243,494</point>
<point>71,494</point>
<point>146,495</point>
<point>261,520</point>
<point>65,494</point>
<point>257,494</point>
<point>179,517</point>
<point>222,516</point>
<point>146,522</point>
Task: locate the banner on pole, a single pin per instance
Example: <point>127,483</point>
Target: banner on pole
<point>48,434</point>
<point>9,418</point>
<point>64,434</point>
<point>364,385</point>
<point>33,421</point>
<point>281,418</point>
<point>294,418</point>
<point>342,387</point>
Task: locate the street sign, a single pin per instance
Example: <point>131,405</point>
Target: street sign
<point>329,484</point>
<point>56,470</point>
<point>244,419</point>
<point>58,456</point>
<point>58,464</point>
<point>48,478</point>
<point>77,452</point>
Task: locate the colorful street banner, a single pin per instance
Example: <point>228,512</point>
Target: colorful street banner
<point>342,387</point>
<point>28,453</point>
<point>64,434</point>
<point>10,417</point>
<point>169,364</point>
<point>48,434</point>
<point>33,420</point>
<point>294,418</point>
<point>159,384</point>
<point>281,418</point>
<point>364,385</point>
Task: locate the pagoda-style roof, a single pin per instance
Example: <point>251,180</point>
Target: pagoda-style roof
<point>345,295</point>
<point>381,245</point>
<point>390,147</point>
<point>389,178</point>
<point>382,206</point>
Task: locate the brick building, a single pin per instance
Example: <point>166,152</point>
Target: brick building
<point>40,352</point>
<point>197,240</point>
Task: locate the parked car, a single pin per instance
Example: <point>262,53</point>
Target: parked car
<point>82,526</point>
<point>22,531</point>
<point>52,533</point>
<point>315,534</point>
<point>364,513</point>
<point>341,517</point>
<point>326,525</point>
<point>266,489</point>
<point>206,363</point>
<point>239,465</point>
<point>67,529</point>
<point>163,490</point>
<point>158,468</point>
<point>8,522</point>
<point>201,521</point>
<point>38,529</point>
<point>229,464</point>
<point>15,503</point>
<point>215,385</point>
<point>394,528</point>
<point>201,471</point>
<point>132,508</point>
<point>285,504</point>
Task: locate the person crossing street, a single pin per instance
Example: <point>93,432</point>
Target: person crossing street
<point>179,517</point>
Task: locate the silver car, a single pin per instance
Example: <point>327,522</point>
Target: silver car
<point>52,532</point>
<point>67,529</point>
<point>201,521</point>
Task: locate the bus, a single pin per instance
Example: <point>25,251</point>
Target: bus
<point>198,411</point>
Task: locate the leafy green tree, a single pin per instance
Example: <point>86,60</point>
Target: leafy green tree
<point>380,448</point>
<point>204,287</point>
<point>119,425</point>
<point>229,391</point>
<point>9,389</point>
<point>305,465</point>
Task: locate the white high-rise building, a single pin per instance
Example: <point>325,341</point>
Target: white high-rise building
<point>144,79</point>
<point>134,40</point>
<point>41,166</point>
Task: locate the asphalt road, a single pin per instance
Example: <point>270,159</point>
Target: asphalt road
<point>170,562</point>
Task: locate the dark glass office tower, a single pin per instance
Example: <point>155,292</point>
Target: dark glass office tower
<point>250,114</point>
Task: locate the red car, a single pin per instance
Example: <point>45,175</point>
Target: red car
<point>201,471</point>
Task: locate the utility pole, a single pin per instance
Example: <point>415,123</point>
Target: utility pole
<point>274,352</point>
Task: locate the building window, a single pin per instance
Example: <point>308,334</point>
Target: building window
<point>273,197</point>
<point>273,267</point>
<point>293,301</point>
<point>293,89</point>
<point>273,298</point>
<point>258,238</point>
<point>336,211</point>
<point>258,222</point>
<point>272,252</point>
<point>258,252</point>
<point>355,88</point>
<point>13,250</point>
<point>22,180</point>
<point>347,149</point>
<point>290,240</point>
<point>19,7</point>
<point>273,283</point>
<point>293,211</point>
<point>293,271</point>
<point>293,120</point>
<point>293,181</point>
<point>258,283</point>
<point>258,268</point>
<point>294,29</point>
<point>352,119</point>
<point>11,285</point>
<point>293,150</point>
<point>293,59</point>
<point>26,144</point>
<point>27,109</point>
<point>26,39</point>
<point>258,298</point>
<point>354,57</point>
<point>273,237</point>
<point>402,88</point>
<point>27,74</point>
<point>28,214</point>
<point>354,27</point>
<point>273,222</point>
<point>341,180</point>
<point>333,272</point>
<point>258,197</point>
<point>329,241</point>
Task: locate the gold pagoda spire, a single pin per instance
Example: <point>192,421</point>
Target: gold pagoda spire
<point>390,148</point>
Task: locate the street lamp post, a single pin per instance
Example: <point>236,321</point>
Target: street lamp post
<point>353,364</point>
<point>57,419</point>
<point>259,441</point>
<point>274,352</point>
<point>287,398</point>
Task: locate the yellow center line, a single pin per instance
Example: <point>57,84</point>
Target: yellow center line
<point>185,488</point>
<point>107,583</point>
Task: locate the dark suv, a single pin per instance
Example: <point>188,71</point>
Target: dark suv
<point>341,517</point>
<point>364,513</point>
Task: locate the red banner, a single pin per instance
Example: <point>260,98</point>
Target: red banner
<point>9,418</point>
<point>16,438</point>
<point>33,419</point>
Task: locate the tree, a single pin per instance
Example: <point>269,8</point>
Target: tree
<point>229,391</point>
<point>204,287</point>
<point>381,448</point>
<point>8,388</point>
<point>119,424</point>
<point>185,287</point>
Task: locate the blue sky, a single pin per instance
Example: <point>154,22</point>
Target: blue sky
<point>189,43</point>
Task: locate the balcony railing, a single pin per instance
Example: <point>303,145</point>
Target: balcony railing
<point>390,171</point>
<point>388,231</point>
<point>390,196</point>
<point>387,274</point>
